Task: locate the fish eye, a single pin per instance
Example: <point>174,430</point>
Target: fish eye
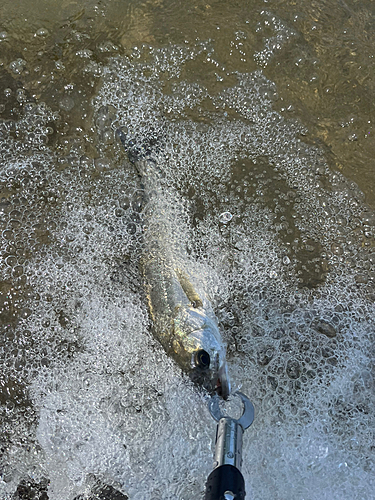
<point>202,359</point>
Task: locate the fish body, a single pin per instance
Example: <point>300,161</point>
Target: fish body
<point>183,319</point>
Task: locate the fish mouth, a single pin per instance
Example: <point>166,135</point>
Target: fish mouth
<point>223,383</point>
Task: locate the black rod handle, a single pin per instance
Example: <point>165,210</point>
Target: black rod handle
<point>225,483</point>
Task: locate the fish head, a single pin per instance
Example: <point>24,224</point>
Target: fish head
<point>200,351</point>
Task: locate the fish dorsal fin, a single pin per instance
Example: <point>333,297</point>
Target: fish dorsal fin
<point>188,288</point>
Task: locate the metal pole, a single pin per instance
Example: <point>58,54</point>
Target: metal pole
<point>226,481</point>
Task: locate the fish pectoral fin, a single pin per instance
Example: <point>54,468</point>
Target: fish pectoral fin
<point>189,289</point>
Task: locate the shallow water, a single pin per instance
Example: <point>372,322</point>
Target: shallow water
<point>263,116</point>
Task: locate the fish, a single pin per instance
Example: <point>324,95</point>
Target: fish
<point>183,320</point>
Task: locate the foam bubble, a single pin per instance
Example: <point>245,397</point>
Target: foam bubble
<point>17,66</point>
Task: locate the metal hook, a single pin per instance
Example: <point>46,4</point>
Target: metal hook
<point>244,421</point>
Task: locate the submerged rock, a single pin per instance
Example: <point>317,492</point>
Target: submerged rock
<point>31,490</point>
<point>102,491</point>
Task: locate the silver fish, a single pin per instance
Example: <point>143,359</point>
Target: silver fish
<point>183,320</point>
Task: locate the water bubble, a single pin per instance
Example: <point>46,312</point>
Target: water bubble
<point>17,66</point>
<point>361,278</point>
<point>59,65</point>
<point>25,312</point>
<point>336,249</point>
<point>20,95</point>
<point>368,218</point>
<point>42,32</point>
<point>225,217</point>
<point>15,214</point>
<point>11,260</point>
<point>131,228</point>
<point>265,355</point>
<point>102,164</point>
<point>293,369</point>
<point>8,234</point>
<point>107,46</point>
<point>85,53</point>
<point>125,204</point>
<point>66,103</point>
<point>18,271</point>
<point>119,212</point>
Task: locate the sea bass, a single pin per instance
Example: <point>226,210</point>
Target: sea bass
<point>183,319</point>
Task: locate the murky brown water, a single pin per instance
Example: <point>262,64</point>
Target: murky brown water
<point>323,69</point>
<point>265,110</point>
